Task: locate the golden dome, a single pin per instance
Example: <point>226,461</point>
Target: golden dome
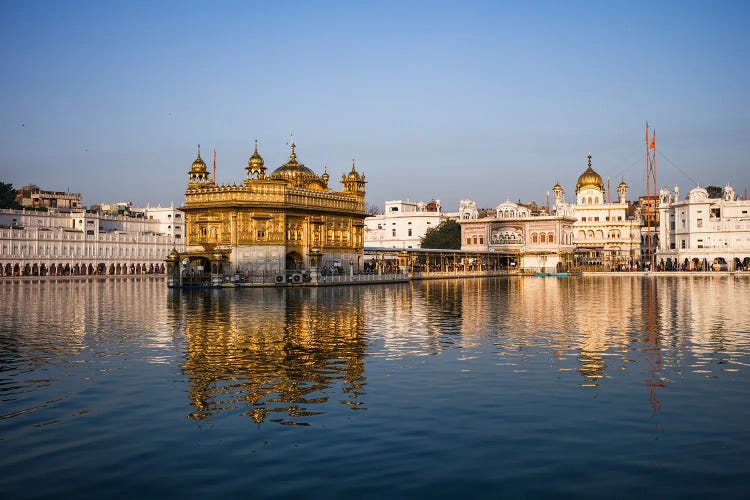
<point>198,165</point>
<point>589,179</point>
<point>622,184</point>
<point>292,168</point>
<point>255,163</point>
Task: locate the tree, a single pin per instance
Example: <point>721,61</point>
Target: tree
<point>373,210</point>
<point>447,236</point>
<point>714,192</point>
<point>8,196</point>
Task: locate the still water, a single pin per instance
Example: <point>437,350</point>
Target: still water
<point>498,387</point>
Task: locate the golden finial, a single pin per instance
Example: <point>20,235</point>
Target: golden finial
<point>256,145</point>
<point>589,157</point>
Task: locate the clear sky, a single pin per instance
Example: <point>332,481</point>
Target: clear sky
<point>449,100</point>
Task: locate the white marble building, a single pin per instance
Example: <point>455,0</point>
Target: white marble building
<point>702,233</point>
<point>604,235</point>
<point>403,224</point>
<point>80,243</point>
<point>529,242</point>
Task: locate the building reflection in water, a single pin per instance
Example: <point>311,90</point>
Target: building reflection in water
<point>274,354</point>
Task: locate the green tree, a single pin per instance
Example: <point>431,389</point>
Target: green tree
<point>714,191</point>
<point>447,235</point>
<point>8,196</point>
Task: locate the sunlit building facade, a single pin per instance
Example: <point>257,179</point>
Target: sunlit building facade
<point>605,236</point>
<point>700,233</point>
<point>403,224</point>
<point>80,243</point>
<point>288,220</point>
<point>532,242</point>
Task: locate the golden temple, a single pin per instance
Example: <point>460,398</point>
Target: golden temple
<point>286,224</point>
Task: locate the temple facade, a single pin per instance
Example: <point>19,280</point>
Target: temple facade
<point>285,224</point>
<point>606,237</point>
<point>531,243</point>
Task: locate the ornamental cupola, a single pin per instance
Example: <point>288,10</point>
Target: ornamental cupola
<point>198,172</point>
<point>255,165</point>
<point>558,193</point>
<point>622,191</point>
<point>353,183</point>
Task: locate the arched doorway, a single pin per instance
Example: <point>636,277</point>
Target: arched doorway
<point>294,261</point>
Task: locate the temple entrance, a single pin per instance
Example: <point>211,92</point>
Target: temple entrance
<point>294,261</point>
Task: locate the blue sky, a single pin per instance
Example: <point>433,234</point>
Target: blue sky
<point>448,100</point>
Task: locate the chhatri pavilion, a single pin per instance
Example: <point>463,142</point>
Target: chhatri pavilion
<point>285,224</point>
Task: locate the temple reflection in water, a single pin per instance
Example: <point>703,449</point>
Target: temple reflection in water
<point>273,353</point>
<point>284,354</point>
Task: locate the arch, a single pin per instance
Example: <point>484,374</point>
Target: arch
<point>294,261</point>
<point>550,238</point>
<point>590,200</point>
<point>590,234</point>
<point>581,234</point>
<point>534,237</point>
<point>600,234</point>
<point>542,238</point>
<point>35,269</point>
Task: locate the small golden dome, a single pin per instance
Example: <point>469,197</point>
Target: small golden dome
<point>198,165</point>
<point>590,179</point>
<point>255,163</point>
<point>622,184</point>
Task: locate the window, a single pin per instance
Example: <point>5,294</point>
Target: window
<point>177,216</point>
<point>481,240</point>
<point>700,222</point>
<point>468,240</point>
<point>410,230</point>
<point>393,231</point>
<point>682,244</point>
<point>583,219</point>
<point>596,219</point>
<point>394,209</point>
<point>551,238</point>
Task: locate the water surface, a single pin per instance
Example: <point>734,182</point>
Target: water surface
<point>588,387</point>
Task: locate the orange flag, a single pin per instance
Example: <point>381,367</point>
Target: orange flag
<point>653,142</point>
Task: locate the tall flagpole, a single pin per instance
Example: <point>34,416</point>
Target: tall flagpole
<point>214,166</point>
<point>650,193</point>
<point>648,201</point>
